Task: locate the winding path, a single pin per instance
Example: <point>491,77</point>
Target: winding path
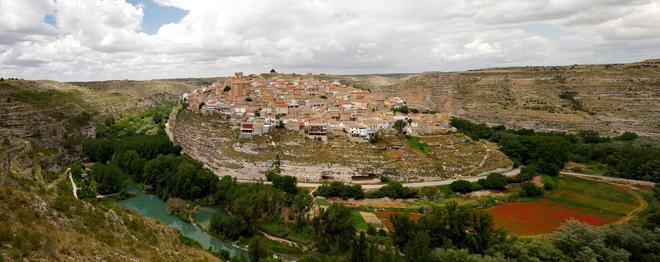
<point>609,179</point>
<point>73,186</point>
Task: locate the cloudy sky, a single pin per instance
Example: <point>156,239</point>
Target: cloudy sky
<point>146,39</point>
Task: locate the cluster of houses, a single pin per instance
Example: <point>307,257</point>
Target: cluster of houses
<point>320,108</point>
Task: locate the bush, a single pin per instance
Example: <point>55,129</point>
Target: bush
<point>493,181</point>
<point>549,186</point>
<point>627,136</point>
<point>339,189</point>
<point>393,190</point>
<point>526,174</point>
<point>462,186</point>
<point>530,190</point>
<point>384,179</point>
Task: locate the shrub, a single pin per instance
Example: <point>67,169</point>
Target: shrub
<point>339,189</point>
<point>393,190</point>
<point>531,190</point>
<point>493,181</point>
<point>627,136</point>
<point>384,179</point>
<point>526,174</point>
<point>461,186</point>
<point>549,186</point>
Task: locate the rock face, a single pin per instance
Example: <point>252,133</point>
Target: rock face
<point>610,99</point>
<point>49,114</point>
<point>220,147</point>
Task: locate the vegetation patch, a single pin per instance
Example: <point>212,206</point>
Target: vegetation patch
<point>417,144</point>
<point>358,221</point>
<point>586,201</point>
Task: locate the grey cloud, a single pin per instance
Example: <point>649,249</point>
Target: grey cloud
<point>102,39</point>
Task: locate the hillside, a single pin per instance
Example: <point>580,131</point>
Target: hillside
<point>41,220</point>
<point>41,125</point>
<point>53,115</point>
<point>220,147</point>
<point>610,99</point>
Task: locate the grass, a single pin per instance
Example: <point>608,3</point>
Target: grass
<point>321,201</point>
<point>140,122</point>
<point>601,198</point>
<point>302,236</point>
<point>415,143</point>
<point>358,221</point>
<point>278,247</point>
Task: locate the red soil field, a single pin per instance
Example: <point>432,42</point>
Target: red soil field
<point>384,216</point>
<point>540,217</point>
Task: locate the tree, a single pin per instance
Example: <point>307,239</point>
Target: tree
<point>359,250</point>
<point>418,248</point>
<point>286,184</point>
<point>627,136</point>
<point>526,174</point>
<point>339,189</point>
<point>462,227</point>
<point>461,186</point>
<point>232,228</point>
<point>393,190</point>
<point>257,250</point>
<point>99,150</point>
<point>272,71</point>
<point>335,226</point>
<point>76,171</point>
<point>586,243</point>
<point>590,136</point>
<point>226,89</point>
<point>399,126</point>
<point>108,178</point>
<point>493,181</point>
<point>530,190</point>
<point>404,229</point>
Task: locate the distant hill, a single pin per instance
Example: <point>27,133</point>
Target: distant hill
<point>609,98</point>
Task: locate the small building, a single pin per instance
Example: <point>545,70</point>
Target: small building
<point>317,131</point>
<point>247,129</point>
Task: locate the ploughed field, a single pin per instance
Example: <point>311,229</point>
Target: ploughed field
<point>589,202</point>
<point>220,146</point>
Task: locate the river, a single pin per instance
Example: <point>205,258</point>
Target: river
<point>153,207</point>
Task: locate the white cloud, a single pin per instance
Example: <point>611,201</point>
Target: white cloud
<point>96,39</point>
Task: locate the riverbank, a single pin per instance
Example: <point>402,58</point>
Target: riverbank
<point>153,207</point>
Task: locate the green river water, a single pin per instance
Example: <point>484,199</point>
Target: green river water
<point>153,207</point>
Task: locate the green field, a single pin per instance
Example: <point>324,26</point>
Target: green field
<point>595,197</point>
<point>358,221</point>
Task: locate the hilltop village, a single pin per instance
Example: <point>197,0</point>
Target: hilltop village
<point>319,108</point>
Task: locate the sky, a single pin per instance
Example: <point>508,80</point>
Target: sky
<point>84,40</point>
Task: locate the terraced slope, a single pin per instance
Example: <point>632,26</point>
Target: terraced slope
<point>219,146</point>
